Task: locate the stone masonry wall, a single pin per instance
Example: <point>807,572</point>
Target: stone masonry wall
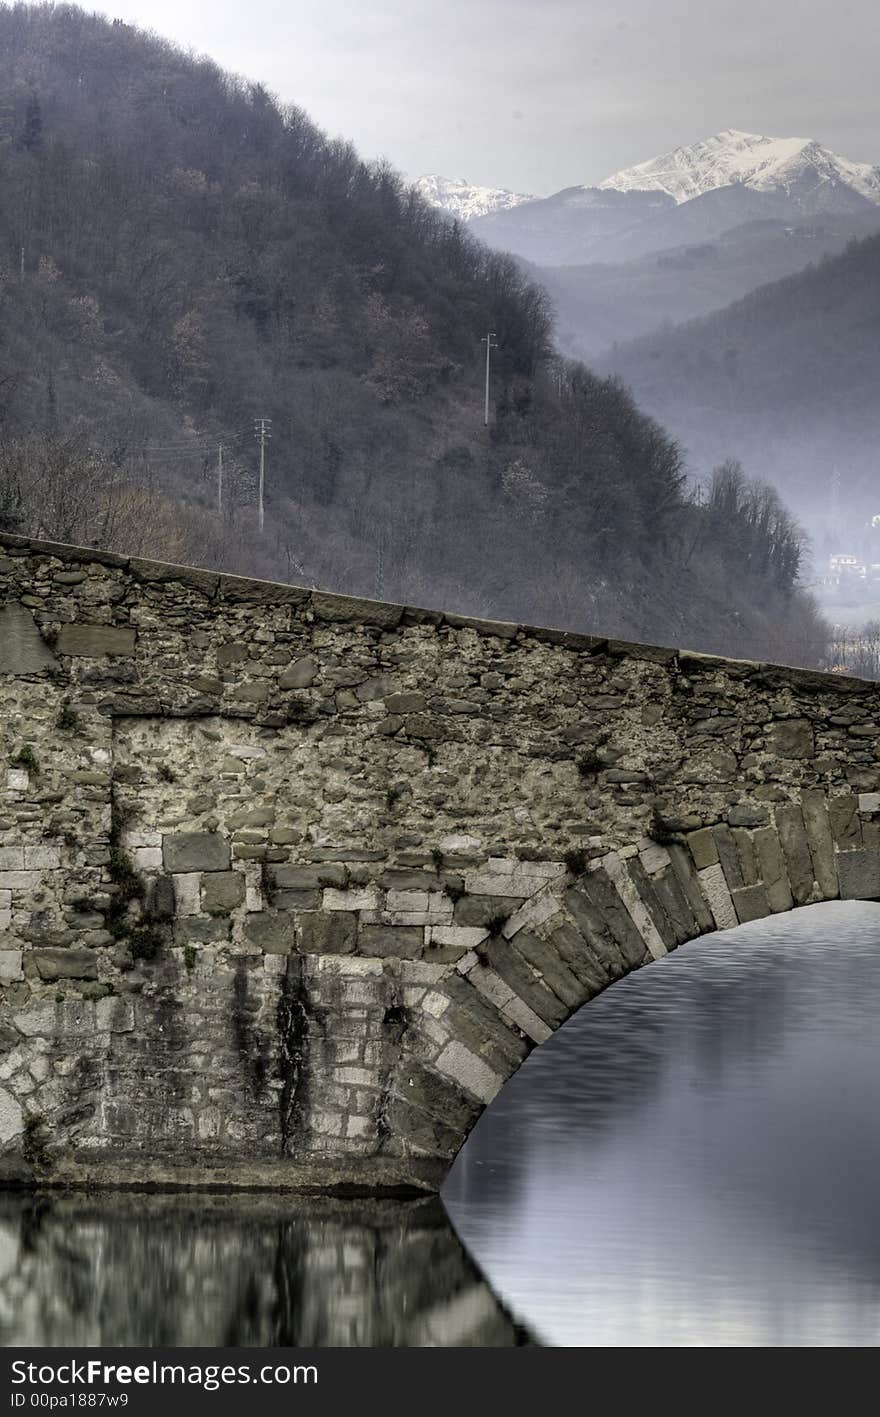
<point>291,883</point>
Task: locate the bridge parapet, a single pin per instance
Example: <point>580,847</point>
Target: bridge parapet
<point>291,883</point>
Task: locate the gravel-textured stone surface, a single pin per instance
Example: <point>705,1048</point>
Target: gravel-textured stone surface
<point>290,883</point>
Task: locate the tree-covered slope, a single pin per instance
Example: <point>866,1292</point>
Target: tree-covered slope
<point>181,254</point>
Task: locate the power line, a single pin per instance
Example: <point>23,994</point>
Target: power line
<point>262,433</point>
<point>487,341</point>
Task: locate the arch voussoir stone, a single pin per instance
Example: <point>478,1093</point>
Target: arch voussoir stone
<point>292,883</point>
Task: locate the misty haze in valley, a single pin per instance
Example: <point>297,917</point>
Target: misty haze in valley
<point>733,286</point>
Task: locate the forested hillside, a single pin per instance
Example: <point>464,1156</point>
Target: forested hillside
<point>785,379</point>
<point>181,254</point>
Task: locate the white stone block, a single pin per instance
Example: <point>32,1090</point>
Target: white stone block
<point>17,780</point>
<point>140,840</point>
<point>5,917</point>
<point>187,898</point>
<point>245,751</point>
<point>365,898</point>
<point>459,842</point>
<point>869,802</point>
<point>20,880</point>
<point>10,963</point>
<point>11,858</point>
<point>715,890</point>
<point>419,971</point>
<point>253,888</point>
<point>535,912</point>
<point>524,1018</point>
<point>435,1004</point>
<point>503,875</point>
<point>465,1068</point>
<point>11,1117</point>
<point>467,963</point>
<point>491,985</point>
<point>465,937</point>
<point>654,857</point>
<point>39,1021</point>
<point>147,858</point>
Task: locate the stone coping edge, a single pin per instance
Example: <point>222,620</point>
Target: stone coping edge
<point>221,587</point>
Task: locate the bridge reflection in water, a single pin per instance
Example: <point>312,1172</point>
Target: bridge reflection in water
<point>208,1270</point>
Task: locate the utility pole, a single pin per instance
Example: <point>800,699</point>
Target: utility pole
<point>220,478</point>
<point>262,433</point>
<point>487,340</point>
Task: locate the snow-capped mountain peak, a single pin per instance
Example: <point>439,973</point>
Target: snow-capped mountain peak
<point>761,163</point>
<point>463,200</point>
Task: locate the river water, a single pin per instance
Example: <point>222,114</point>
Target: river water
<point>693,1160</point>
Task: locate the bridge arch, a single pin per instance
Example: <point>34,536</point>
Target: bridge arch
<point>290,883</point>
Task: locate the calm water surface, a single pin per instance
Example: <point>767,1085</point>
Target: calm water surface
<point>694,1159</point>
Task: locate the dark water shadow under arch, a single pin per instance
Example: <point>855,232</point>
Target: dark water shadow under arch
<point>128,1268</point>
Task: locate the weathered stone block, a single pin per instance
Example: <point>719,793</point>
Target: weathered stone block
<point>346,609</point>
<point>374,689</point>
<point>93,641</point>
<point>307,878</point>
<point>161,898</point>
<point>747,814</point>
<point>201,930</point>
<point>22,648</point>
<point>11,1117</point>
<point>771,864</point>
<point>728,857</point>
<point>821,843</point>
<point>65,963</point>
<point>39,1021</point>
<point>10,966</point>
<point>859,875</point>
<point>296,900</point>
<point>256,691</point>
<point>272,932</point>
<point>11,858</point>
<point>328,933</point>
<point>750,903</point>
<point>791,738</point>
<point>42,858</point>
<point>745,850</point>
<point>405,703</point>
<point>195,851</point>
<point>398,941</point>
<point>703,848</point>
<point>222,892</point>
<point>114,1015</point>
<point>793,839</point>
<point>300,674</point>
<point>843,815</point>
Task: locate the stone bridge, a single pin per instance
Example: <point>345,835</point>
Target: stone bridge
<point>291,883</point>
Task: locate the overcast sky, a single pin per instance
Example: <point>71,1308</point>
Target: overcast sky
<point>542,94</point>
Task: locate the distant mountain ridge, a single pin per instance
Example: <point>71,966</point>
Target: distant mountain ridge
<point>464,200</point>
<point>787,165</point>
<point>692,194</point>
